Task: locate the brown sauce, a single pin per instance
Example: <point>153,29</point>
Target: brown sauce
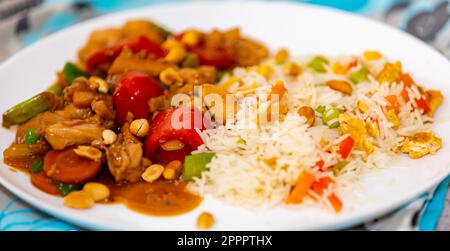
<point>160,198</point>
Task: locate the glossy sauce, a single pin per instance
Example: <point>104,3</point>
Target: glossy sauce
<point>160,198</point>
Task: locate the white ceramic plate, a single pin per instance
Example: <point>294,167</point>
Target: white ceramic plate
<point>304,30</point>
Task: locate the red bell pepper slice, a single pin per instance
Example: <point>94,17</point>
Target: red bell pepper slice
<point>352,64</point>
<point>421,102</point>
<point>134,91</point>
<point>345,147</point>
<point>135,44</point>
<point>180,124</point>
<point>392,102</point>
<point>164,157</point>
<point>407,80</point>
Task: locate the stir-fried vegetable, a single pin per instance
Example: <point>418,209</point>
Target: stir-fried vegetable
<point>136,44</point>
<point>321,185</point>
<point>132,96</point>
<point>23,155</point>
<point>29,108</point>
<point>339,166</point>
<point>301,188</point>
<point>67,167</point>
<point>37,165</point>
<point>71,72</point>
<point>195,164</point>
<point>180,124</point>
<point>345,147</point>
<point>214,57</point>
<point>318,64</point>
<point>335,202</point>
<point>44,183</point>
<point>31,137</point>
<point>56,89</point>
<point>359,75</point>
<point>65,189</point>
<point>190,61</point>
<point>330,115</point>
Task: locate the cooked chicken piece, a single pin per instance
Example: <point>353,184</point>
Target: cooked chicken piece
<point>124,157</point>
<point>421,144</point>
<point>80,93</point>
<point>198,76</point>
<point>75,132</point>
<point>72,112</point>
<point>127,61</point>
<point>357,130</point>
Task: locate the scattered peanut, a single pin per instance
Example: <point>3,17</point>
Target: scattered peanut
<point>172,145</point>
<point>97,191</point>
<point>99,84</point>
<point>341,86</point>
<point>173,170</point>
<point>175,55</point>
<point>89,152</point>
<point>308,113</point>
<point>205,221</point>
<point>139,127</point>
<point>170,76</point>
<point>293,69</point>
<point>281,56</point>
<point>109,137</point>
<point>191,37</point>
<point>152,173</point>
<point>79,200</point>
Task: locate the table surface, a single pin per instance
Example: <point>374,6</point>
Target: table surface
<point>397,13</point>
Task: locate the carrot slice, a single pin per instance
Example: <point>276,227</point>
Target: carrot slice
<point>278,89</point>
<point>44,183</point>
<point>335,202</point>
<point>67,167</point>
<point>407,80</point>
<point>304,182</point>
<point>323,183</point>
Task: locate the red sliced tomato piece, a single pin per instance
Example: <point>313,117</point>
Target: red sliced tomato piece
<point>133,93</point>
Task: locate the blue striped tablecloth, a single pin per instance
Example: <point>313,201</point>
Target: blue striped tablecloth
<point>426,19</point>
